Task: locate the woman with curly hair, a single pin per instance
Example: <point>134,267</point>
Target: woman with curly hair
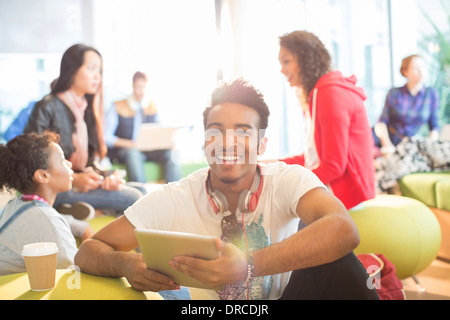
<point>35,166</point>
<point>338,135</point>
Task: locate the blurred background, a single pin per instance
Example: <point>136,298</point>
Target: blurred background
<point>186,46</point>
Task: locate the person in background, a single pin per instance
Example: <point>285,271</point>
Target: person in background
<point>35,166</point>
<point>122,125</point>
<point>16,127</point>
<point>339,142</point>
<point>71,111</point>
<point>252,210</point>
<point>408,108</point>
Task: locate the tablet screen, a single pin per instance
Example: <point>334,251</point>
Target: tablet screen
<point>159,247</point>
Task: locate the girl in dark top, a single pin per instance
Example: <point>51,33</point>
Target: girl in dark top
<point>72,110</point>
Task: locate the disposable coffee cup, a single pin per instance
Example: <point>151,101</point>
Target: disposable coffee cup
<point>40,262</point>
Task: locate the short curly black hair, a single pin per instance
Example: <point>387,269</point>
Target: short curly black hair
<point>242,92</point>
<point>313,58</point>
<point>21,157</point>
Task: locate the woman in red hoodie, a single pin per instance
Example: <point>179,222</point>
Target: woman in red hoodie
<point>338,135</point>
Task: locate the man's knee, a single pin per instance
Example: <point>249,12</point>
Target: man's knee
<point>343,279</point>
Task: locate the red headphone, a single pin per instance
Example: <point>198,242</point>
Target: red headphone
<point>248,199</point>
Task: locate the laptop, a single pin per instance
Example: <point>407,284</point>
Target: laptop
<point>155,136</point>
<point>159,247</point>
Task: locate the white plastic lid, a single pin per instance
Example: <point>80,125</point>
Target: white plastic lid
<point>39,249</point>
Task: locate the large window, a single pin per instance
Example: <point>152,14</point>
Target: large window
<point>177,44</point>
<point>434,45</point>
<point>174,42</point>
<point>355,32</point>
<point>357,36</point>
<point>23,78</point>
<point>250,32</point>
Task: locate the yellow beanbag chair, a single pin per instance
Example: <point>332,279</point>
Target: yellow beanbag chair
<point>403,229</point>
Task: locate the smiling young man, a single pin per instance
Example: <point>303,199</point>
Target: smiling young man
<point>253,209</point>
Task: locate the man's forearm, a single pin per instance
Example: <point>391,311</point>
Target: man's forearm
<point>96,257</point>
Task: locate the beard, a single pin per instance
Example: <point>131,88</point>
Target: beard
<point>228,180</point>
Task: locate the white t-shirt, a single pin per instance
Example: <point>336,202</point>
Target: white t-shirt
<point>183,206</point>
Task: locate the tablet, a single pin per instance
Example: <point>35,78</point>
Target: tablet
<point>159,247</point>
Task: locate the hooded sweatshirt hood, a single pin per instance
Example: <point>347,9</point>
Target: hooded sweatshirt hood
<point>342,139</point>
<point>336,78</point>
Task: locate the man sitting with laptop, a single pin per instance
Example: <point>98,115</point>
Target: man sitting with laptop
<point>253,209</point>
<point>122,125</point>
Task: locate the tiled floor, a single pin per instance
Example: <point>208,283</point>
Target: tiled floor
<point>434,283</point>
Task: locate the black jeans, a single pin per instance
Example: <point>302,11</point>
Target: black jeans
<point>343,279</point>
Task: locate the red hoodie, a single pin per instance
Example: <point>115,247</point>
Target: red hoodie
<point>343,139</point>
